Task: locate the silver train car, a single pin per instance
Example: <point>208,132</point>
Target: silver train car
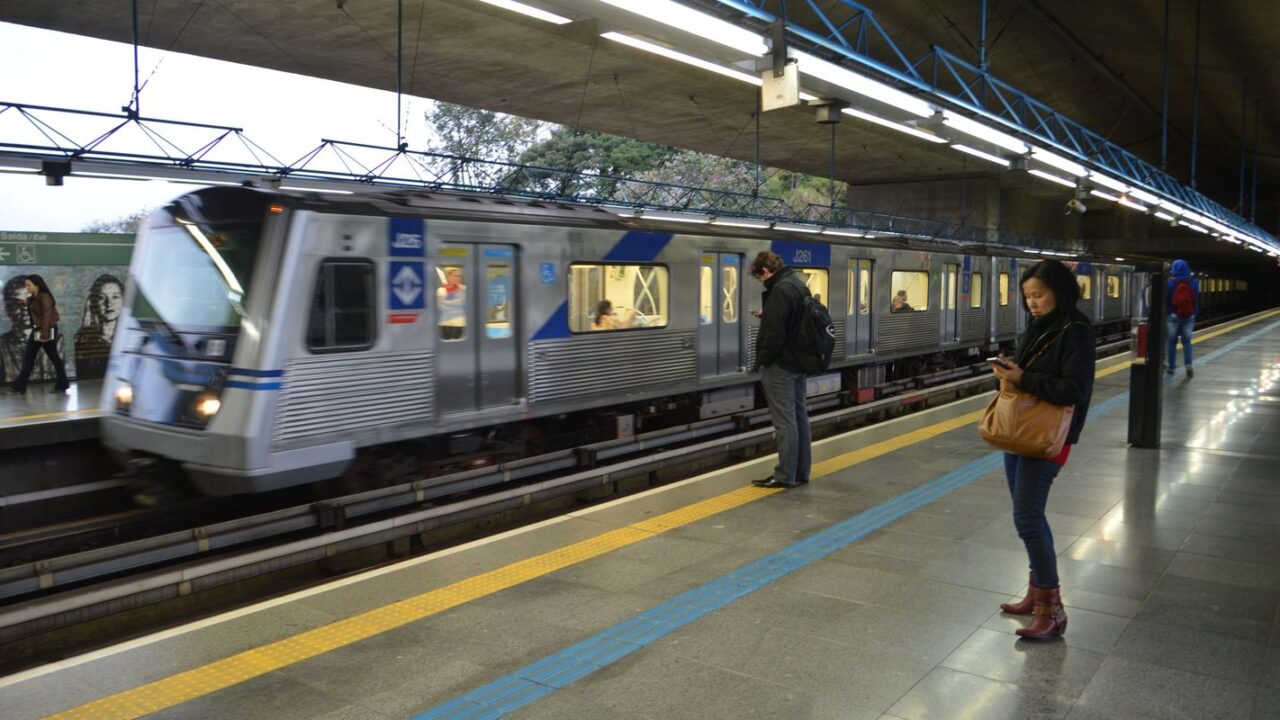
<point>269,337</point>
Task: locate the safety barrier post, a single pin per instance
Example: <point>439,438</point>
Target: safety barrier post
<point>1145,374</point>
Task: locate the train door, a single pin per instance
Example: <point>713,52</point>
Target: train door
<point>477,361</point>
<point>720,314</point>
<point>950,302</point>
<point>857,327</point>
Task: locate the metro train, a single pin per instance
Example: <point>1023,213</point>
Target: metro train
<point>269,338</point>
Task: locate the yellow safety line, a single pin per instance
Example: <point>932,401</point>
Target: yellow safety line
<point>42,416</point>
<point>235,669</point>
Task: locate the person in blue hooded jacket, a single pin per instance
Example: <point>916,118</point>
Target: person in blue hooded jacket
<point>1183,298</point>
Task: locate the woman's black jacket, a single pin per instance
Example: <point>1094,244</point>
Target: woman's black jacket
<point>1062,373</point>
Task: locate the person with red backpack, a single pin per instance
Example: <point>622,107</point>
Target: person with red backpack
<point>1184,304</point>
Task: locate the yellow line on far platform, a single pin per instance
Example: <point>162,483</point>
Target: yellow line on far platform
<point>235,669</point>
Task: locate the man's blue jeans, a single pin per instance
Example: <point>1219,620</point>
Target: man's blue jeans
<point>1029,483</point>
<point>785,392</point>
<point>1178,327</point>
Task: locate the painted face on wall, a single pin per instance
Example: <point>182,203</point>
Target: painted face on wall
<point>110,299</point>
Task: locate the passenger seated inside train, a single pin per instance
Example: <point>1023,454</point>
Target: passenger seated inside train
<point>900,304</point>
<point>606,319</point>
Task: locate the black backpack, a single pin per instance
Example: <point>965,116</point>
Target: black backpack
<point>815,337</point>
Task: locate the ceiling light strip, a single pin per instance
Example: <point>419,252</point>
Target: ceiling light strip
<point>698,23</point>
<point>980,154</point>
<point>528,10</point>
<point>893,125</point>
<point>1052,178</point>
<point>681,57</point>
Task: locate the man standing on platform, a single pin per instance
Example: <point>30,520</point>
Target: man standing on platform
<point>1184,304</point>
<point>780,372</point>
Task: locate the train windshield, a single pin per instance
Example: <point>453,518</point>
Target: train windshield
<point>196,264</point>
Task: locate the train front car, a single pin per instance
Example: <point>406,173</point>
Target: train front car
<point>196,282</point>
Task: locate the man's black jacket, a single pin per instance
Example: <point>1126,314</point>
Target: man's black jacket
<point>784,293</point>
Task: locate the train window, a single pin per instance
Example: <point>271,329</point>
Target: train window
<point>729,291</point>
<point>451,303</point>
<point>950,287</point>
<point>909,291</point>
<point>636,297</point>
<point>497,299</point>
<point>816,280</point>
<point>975,290</point>
<point>342,307</point>
<point>1004,289</point>
<point>864,287</point>
<point>1113,286</point>
<point>705,277</point>
<point>1086,286</point>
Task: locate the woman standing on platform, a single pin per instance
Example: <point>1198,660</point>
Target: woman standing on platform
<point>1054,360</point>
<point>43,311</point>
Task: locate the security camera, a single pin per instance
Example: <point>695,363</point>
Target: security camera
<point>1074,205</point>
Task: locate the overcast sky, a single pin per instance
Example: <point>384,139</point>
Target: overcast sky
<point>284,113</point>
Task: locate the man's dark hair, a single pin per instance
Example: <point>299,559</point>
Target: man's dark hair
<point>1058,278</point>
<point>766,260</point>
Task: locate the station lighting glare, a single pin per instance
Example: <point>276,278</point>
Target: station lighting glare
<point>528,10</point>
<point>980,154</point>
<point>1108,182</point>
<point>797,228</point>
<point>1171,207</point>
<point>1165,216</point>
<point>892,125</point>
<point>1059,162</point>
<point>1197,228</point>
<point>844,233</point>
<point>667,217</point>
<point>1052,178</point>
<point>1131,204</point>
<point>861,84</point>
<point>982,132</point>
<point>735,222</point>
<point>699,23</point>
<point>1144,196</point>
<point>681,57</point>
<point>1105,196</point>
<point>15,169</point>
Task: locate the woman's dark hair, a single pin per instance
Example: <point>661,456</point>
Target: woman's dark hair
<point>1058,278</point>
<point>604,307</point>
<point>43,287</point>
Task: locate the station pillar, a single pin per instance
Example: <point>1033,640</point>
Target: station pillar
<point>1146,374</point>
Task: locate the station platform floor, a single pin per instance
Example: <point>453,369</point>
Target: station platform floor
<point>870,593</point>
<point>40,417</point>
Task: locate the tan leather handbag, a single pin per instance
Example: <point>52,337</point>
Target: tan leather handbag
<point>1025,424</point>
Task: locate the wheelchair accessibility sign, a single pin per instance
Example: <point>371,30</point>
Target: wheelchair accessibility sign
<point>407,290</point>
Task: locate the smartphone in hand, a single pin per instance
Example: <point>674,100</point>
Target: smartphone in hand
<point>999,361</point>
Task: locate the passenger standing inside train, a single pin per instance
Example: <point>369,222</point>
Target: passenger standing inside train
<point>452,300</point>
<point>780,373</point>
<point>1054,360</point>
<point>1184,304</point>
<point>43,311</point>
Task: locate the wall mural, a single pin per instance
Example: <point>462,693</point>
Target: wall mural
<point>86,274</point>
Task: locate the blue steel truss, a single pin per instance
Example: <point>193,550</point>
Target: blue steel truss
<point>851,34</point>
<point>373,165</point>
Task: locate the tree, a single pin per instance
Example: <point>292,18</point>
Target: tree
<point>481,134</point>
<point>124,224</point>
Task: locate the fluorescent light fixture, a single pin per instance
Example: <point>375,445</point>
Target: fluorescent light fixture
<point>980,154</point>
<point>1107,182</point>
<point>1131,204</point>
<point>528,10</point>
<point>1119,259</point>
<point>1172,207</point>
<point>667,217</point>
<point>681,57</point>
<point>844,233</point>
<point>1197,228</point>
<point>797,228</point>
<point>1052,178</point>
<point>1059,162</point>
<point>807,97</point>
<point>319,190</point>
<point>742,223</point>
<point>1164,216</point>
<point>12,168</point>
<point>689,20</point>
<point>982,132</point>
<point>121,176</point>
<point>861,84</point>
<point>1105,196</point>
<point>1144,196</point>
<point>893,125</point>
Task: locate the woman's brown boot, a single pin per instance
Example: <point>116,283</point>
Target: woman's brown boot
<point>1050,618</point>
<point>1026,604</point>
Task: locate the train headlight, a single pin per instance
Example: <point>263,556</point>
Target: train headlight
<point>206,405</point>
<point>123,396</point>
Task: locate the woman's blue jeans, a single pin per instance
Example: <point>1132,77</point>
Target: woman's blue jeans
<point>1029,482</point>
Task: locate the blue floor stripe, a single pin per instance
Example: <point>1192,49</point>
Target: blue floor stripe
<point>534,681</point>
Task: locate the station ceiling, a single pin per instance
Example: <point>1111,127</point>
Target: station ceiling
<point>1099,63</point>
